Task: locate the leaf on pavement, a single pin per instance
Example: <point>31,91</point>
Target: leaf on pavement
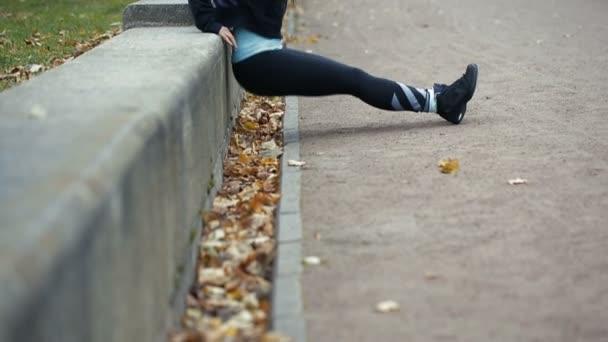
<point>296,163</point>
<point>312,261</point>
<point>449,166</point>
<point>387,306</point>
<point>431,276</point>
<point>518,181</point>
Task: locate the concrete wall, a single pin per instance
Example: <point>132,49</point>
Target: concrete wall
<point>105,165</point>
<point>150,13</point>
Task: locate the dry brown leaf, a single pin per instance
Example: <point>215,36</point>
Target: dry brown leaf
<point>251,125</point>
<point>449,166</point>
<point>238,243</point>
<point>244,158</point>
<point>187,336</point>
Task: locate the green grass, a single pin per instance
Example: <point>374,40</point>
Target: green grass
<point>58,24</point>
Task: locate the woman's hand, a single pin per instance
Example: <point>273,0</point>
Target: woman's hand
<point>227,36</point>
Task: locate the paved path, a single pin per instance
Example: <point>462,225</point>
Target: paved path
<point>468,257</point>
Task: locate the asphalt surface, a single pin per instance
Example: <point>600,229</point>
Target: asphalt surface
<point>468,257</point>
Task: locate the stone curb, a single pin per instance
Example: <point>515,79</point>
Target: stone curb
<point>287,308</point>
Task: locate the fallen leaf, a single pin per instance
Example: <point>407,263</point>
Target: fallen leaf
<point>296,163</point>
<point>251,126</point>
<point>232,187</point>
<point>212,276</point>
<point>244,158</point>
<point>518,181</point>
<point>32,42</point>
<point>58,61</point>
<point>449,166</point>
<point>276,337</point>
<point>82,47</point>
<point>224,203</point>
<point>238,241</point>
<point>269,145</point>
<point>187,336</point>
<point>312,261</point>
<point>431,276</point>
<point>317,236</point>
<point>387,306</point>
<point>34,68</point>
<point>271,149</point>
<point>38,112</point>
<point>312,39</point>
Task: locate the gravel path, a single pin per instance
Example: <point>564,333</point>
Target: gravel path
<point>468,256</point>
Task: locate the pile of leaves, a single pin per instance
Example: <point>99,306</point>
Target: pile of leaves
<point>22,73</point>
<point>230,300</point>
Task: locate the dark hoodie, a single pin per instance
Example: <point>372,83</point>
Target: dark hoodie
<point>264,17</point>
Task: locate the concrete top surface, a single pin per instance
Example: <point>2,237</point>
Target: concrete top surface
<point>161,2</point>
<point>67,133</point>
<point>146,13</point>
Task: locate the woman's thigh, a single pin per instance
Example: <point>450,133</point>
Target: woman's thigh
<point>292,72</point>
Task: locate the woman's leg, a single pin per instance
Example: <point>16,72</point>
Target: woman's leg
<point>292,72</point>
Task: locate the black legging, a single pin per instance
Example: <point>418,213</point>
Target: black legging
<point>292,72</point>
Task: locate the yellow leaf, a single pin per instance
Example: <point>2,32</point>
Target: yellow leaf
<point>244,158</point>
<point>449,166</point>
<point>231,332</point>
<point>312,39</point>
<point>251,125</point>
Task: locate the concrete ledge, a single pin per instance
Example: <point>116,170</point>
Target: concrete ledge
<point>150,13</point>
<point>105,165</point>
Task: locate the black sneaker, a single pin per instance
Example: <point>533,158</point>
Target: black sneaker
<point>452,100</point>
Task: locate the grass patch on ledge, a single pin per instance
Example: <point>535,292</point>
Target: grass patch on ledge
<point>37,32</point>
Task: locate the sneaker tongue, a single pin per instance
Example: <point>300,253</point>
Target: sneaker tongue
<point>457,91</point>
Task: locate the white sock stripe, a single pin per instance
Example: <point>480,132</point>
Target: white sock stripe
<point>432,102</point>
<point>411,97</point>
<point>396,104</point>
